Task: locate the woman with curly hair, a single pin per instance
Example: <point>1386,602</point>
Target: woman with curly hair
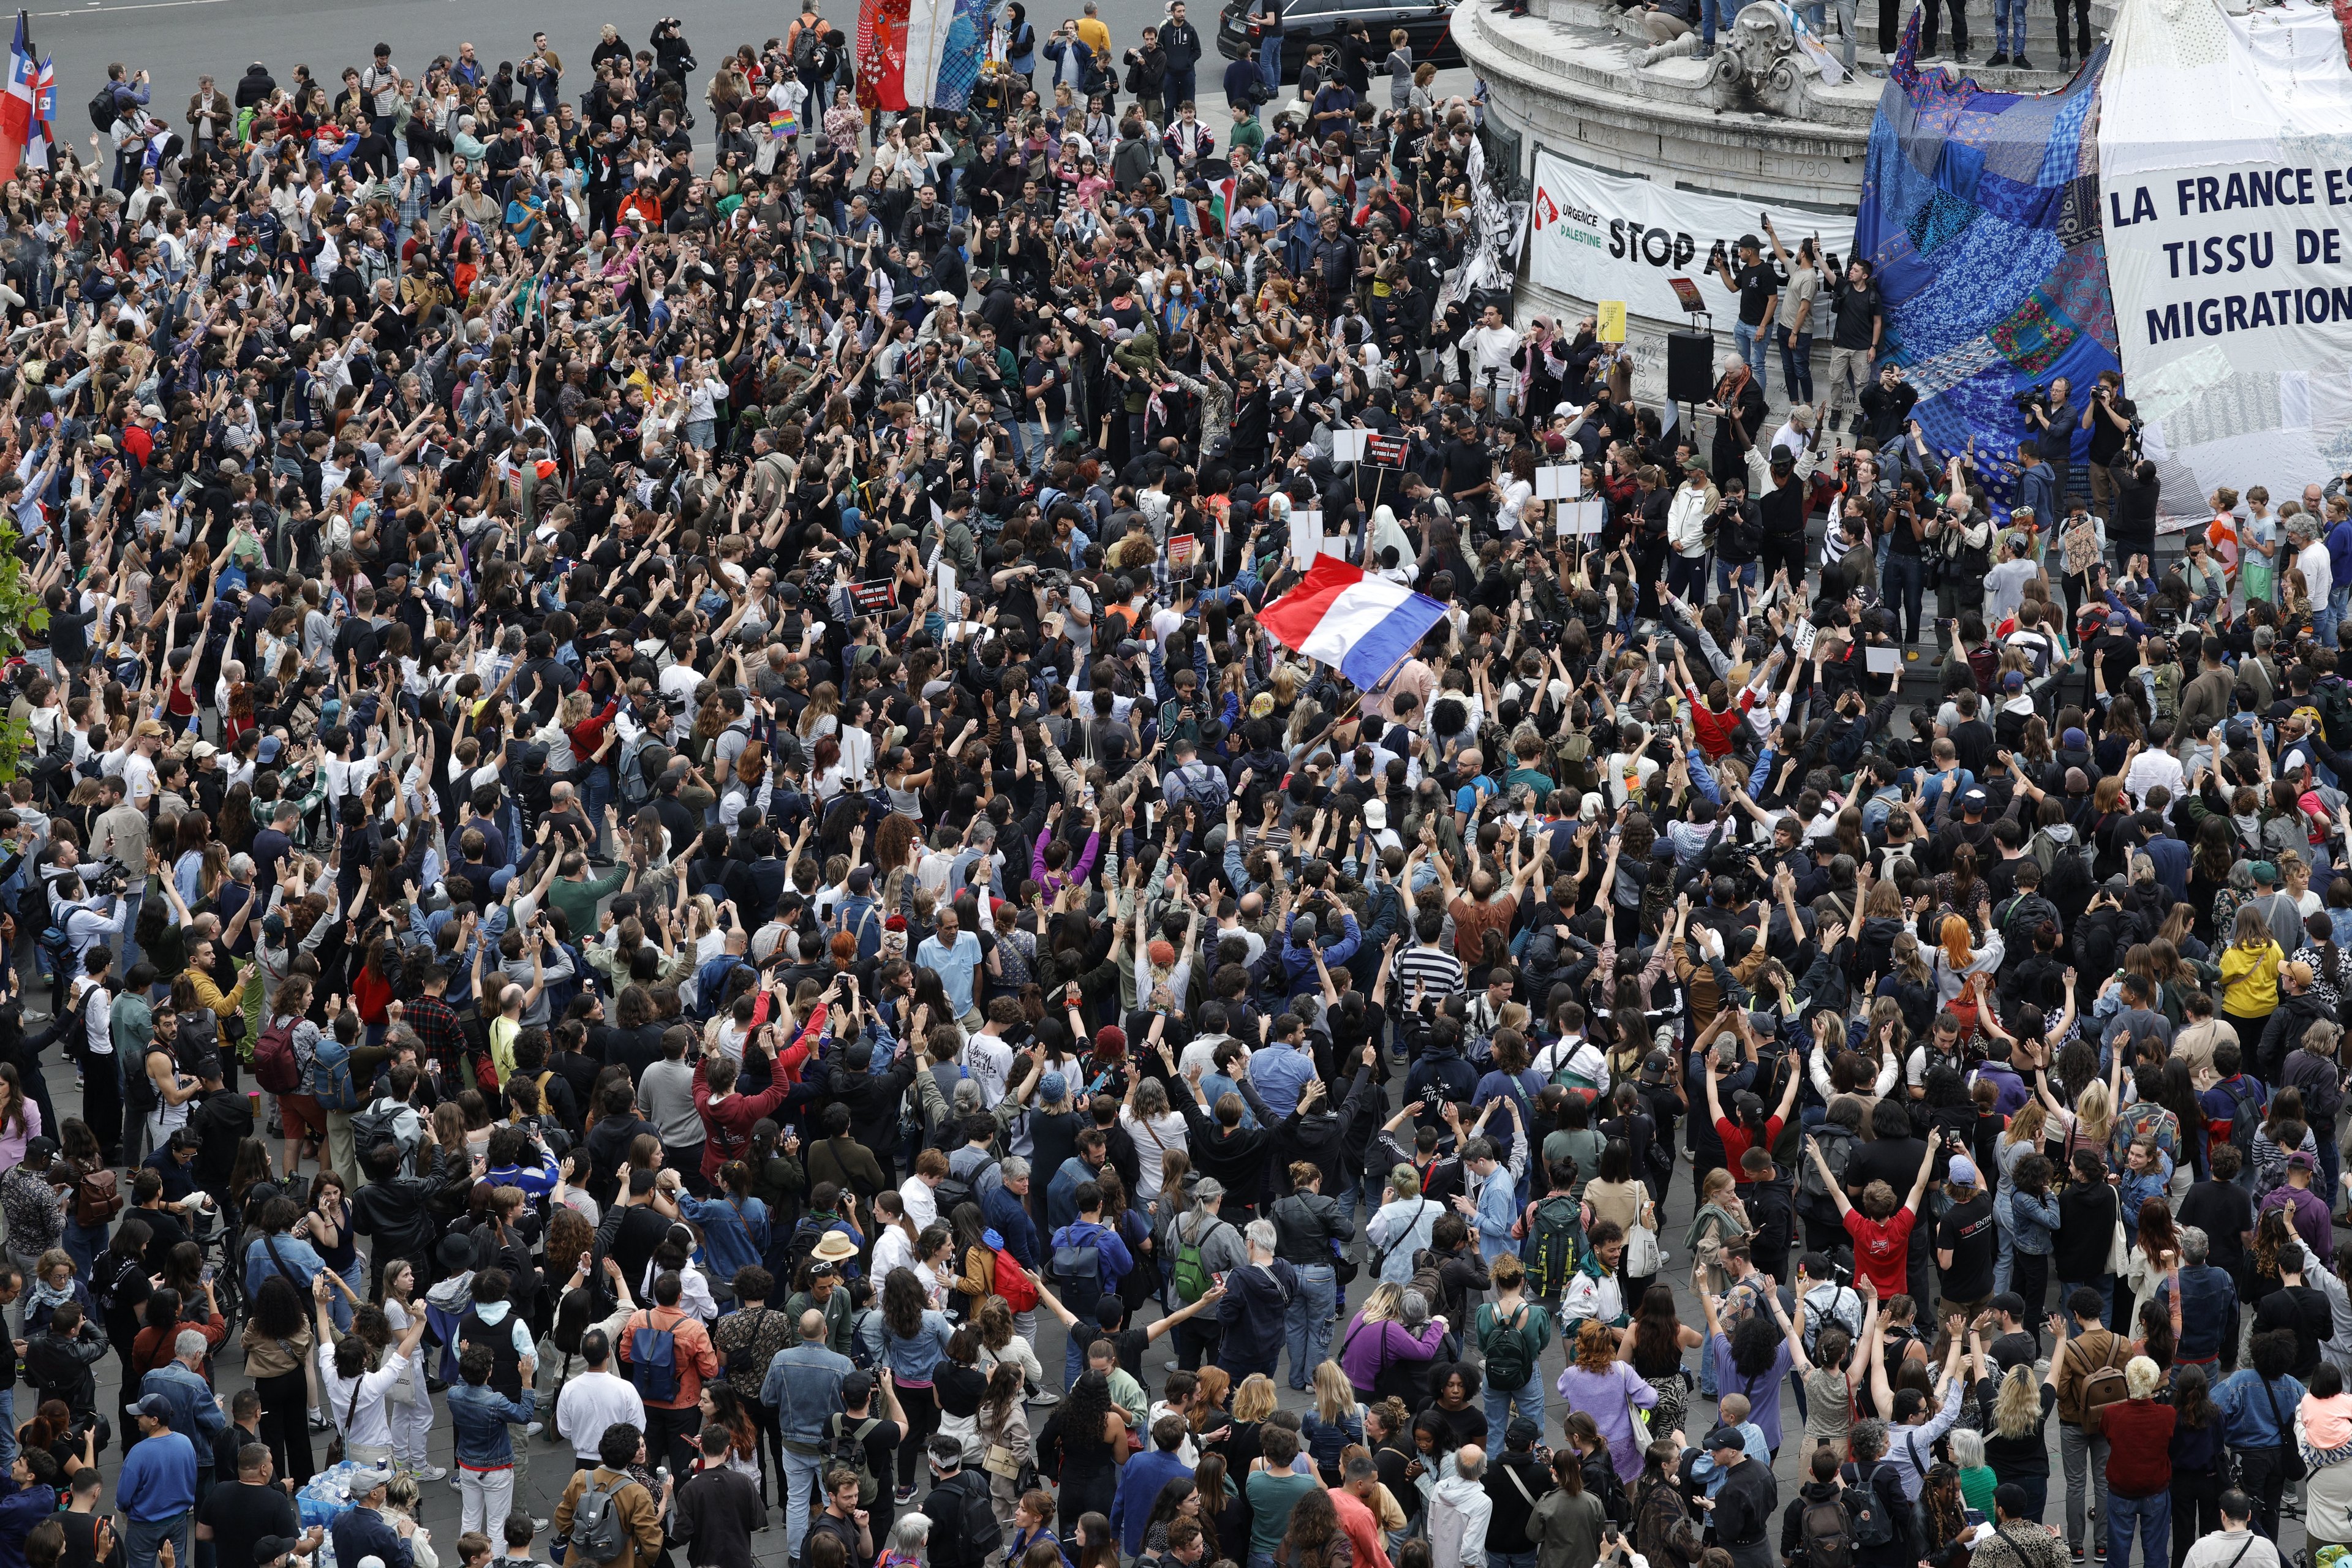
<point>1313,1538</point>
<point>1610,1390</point>
<point>1082,1447</point>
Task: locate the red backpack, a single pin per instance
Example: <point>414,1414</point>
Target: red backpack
<point>274,1065</point>
<point>1013,1284</point>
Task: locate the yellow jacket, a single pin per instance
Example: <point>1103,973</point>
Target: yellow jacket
<point>2250,979</point>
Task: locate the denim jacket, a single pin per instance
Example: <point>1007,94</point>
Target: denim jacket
<point>803,1386</point>
<point>2032,1221</point>
<point>479,1418</point>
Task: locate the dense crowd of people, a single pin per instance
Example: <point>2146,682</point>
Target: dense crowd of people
<point>656,820</point>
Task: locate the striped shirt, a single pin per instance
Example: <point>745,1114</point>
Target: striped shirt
<point>1439,973</point>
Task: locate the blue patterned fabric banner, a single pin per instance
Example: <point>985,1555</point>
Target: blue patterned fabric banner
<point>1981,217</point>
<point>959,55</point>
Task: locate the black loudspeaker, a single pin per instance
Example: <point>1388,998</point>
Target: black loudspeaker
<point>1690,366</point>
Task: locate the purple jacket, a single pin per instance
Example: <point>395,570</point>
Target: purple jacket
<point>2309,1217</point>
<point>1367,1350</point>
<point>1051,882</point>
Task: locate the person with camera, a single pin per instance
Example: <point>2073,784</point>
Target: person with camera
<point>2108,416</point>
<point>1756,280</point>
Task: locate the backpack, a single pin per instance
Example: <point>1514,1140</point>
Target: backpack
<point>653,1362</point>
<point>804,54</point>
<point>953,1189</point>
<point>1826,1534</point>
<point>97,1197</point>
<point>1814,1198</point>
<point>376,1125</point>
<point>1873,1523</point>
<point>276,1066</point>
<point>1550,1249</point>
<point>2333,698</point>
<point>330,1076</point>
<point>869,940</point>
<point>849,1452</point>
<point>1013,1284</point>
<point>102,107</point>
<point>597,1532</point>
<point>1511,1359</point>
<point>2247,1117</point>
<point>2105,1386</point>
<point>1193,1278</point>
<point>636,790</point>
<point>1078,1267</point>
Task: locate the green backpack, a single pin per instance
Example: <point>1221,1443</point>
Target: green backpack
<point>1510,1357</point>
<point>1192,1280</point>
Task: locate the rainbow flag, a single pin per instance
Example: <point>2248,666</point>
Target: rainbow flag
<point>783,122</point>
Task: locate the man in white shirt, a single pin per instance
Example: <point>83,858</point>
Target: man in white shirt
<point>1491,345</point>
<point>918,1191</point>
<point>2311,554</point>
<point>2237,1543</point>
<point>594,1399</point>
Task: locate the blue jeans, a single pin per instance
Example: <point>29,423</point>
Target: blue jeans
<point>7,1426</point>
<point>2329,621</point>
<point>2105,1286</point>
<point>133,900</point>
<point>1753,340</point>
<point>801,1472</point>
<point>2005,37</point>
<point>1269,63</point>
<point>2153,1515</point>
<point>1726,571</point>
<point>356,1278</point>
<point>1500,1403</point>
<point>599,795</point>
<point>1711,13</point>
<point>85,1242</point>
<point>143,1540</point>
<point>1510,1559</point>
<point>1307,1323</point>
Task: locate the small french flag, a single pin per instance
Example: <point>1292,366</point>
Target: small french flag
<point>1366,625</point>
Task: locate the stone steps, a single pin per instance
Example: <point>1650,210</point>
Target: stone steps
<point>1618,68</point>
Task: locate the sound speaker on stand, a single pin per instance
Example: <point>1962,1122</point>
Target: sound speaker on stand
<point>1690,368</point>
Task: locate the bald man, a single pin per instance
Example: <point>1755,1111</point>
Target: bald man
<point>804,1387</point>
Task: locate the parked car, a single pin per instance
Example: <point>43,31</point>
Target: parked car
<point>1430,25</point>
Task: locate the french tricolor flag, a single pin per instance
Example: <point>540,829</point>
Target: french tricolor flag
<point>16,102</point>
<point>1366,625</point>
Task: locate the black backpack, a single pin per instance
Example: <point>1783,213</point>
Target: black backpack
<point>1874,1523</point>
<point>102,107</point>
<point>1826,1535</point>
<point>849,1452</point>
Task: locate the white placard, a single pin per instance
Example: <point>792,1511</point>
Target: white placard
<point>1306,537</point>
<point>1582,519</point>
<point>1561,482</point>
<point>1883,660</point>
<point>1347,445</point>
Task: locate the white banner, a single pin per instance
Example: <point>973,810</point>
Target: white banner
<point>2228,251</point>
<point>1611,237</point>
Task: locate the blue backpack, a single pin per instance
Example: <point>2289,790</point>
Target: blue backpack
<point>330,1076</point>
<point>652,1361</point>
